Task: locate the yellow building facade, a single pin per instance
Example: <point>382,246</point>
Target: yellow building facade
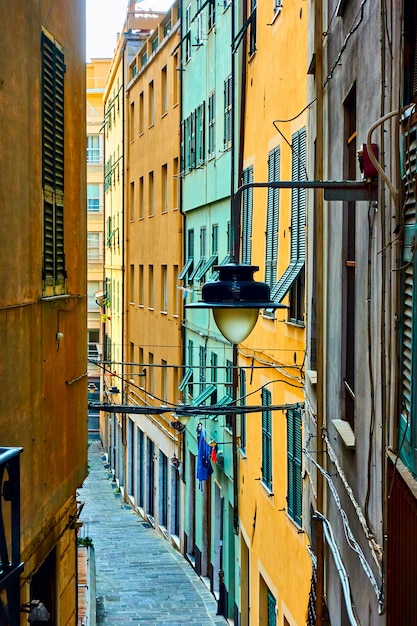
<point>275,566</point>
<point>43,414</point>
<point>135,30</point>
<point>96,75</point>
<point>153,260</point>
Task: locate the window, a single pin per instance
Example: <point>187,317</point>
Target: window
<point>212,125</point>
<point>175,184</point>
<point>198,266</point>
<point>190,360</point>
<point>141,198</point>
<point>151,195</point>
<point>132,284</point>
<point>187,33</point>
<point>247,216</point>
<point>141,286</point>
<point>202,368</point>
<point>349,247</point>
<point>188,267</point>
<point>150,287</point>
<point>132,125</point>
<point>229,389</point>
<point>151,372</point>
<point>164,288</point>
<point>193,145</point>
<point>93,197</point>
<point>132,201</point>
<point>176,77</point>
<point>93,246</point>
<point>200,134</point>
<point>93,149</point>
<point>252,28</point>
<point>294,476</point>
<point>164,90</point>
<point>141,113</point>
<point>266,439</point>
<point>53,70</point>
<point>211,14</point>
<point>199,14</point>
<point>175,291</point>
<point>228,99</point>
<point>294,271</point>
<point>164,188</point>
<point>272,609</point>
<point>272,220</point>
<point>92,304</point>
<point>213,376</point>
<point>155,43</point>
<point>151,105</point>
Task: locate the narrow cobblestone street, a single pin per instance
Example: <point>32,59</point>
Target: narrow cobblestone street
<point>140,578</point>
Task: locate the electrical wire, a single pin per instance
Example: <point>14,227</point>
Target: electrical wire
<point>352,30</point>
<point>351,541</point>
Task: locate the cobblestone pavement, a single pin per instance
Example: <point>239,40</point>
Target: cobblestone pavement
<point>140,578</point>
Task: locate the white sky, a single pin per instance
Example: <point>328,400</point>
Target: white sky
<point>105,19</point>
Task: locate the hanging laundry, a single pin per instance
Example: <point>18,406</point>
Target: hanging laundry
<point>204,468</point>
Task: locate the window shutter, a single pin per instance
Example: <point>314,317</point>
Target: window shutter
<point>298,197</point>
<point>247,216</point>
<point>53,71</point>
<point>407,424</point>
<point>294,447</point>
<point>272,220</point>
<point>266,439</point>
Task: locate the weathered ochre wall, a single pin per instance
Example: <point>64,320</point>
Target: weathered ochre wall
<point>275,555</point>
<point>43,404</point>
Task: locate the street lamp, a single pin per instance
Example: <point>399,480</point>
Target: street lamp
<point>235,299</point>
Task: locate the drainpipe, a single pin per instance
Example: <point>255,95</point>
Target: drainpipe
<point>319,263</point>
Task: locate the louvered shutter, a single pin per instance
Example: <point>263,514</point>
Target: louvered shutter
<point>294,447</point>
<point>212,124</point>
<point>272,220</point>
<point>408,426</point>
<point>247,217</point>
<point>266,439</point>
<point>53,71</point>
<point>298,197</point>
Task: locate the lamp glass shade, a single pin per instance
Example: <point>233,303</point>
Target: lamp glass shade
<point>183,419</point>
<point>235,324</point>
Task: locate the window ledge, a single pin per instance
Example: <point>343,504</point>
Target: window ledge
<point>312,376</point>
<point>346,433</point>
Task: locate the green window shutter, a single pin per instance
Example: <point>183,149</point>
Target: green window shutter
<point>247,216</point>
<point>272,220</point>
<point>266,439</point>
<point>298,197</point>
<point>298,220</point>
<point>272,610</point>
<point>212,124</point>
<point>242,395</point>
<point>53,71</point>
<point>294,450</point>
<point>407,431</point>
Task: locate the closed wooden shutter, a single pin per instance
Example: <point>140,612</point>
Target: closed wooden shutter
<point>294,447</point>
<point>266,440</point>
<point>272,219</point>
<point>247,217</point>
<point>407,425</point>
<point>53,71</point>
